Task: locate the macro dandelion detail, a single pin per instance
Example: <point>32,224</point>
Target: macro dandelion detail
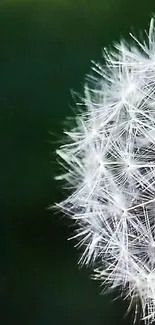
<point>109,163</point>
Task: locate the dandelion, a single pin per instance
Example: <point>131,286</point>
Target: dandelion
<point>109,162</point>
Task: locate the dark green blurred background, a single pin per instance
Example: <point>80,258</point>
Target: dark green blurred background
<point>45,50</point>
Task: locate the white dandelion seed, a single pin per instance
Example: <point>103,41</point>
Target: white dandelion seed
<point>110,168</point>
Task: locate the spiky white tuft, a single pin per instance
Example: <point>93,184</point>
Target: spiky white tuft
<point>110,163</point>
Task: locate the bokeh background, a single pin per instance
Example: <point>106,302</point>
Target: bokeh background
<point>45,50</point>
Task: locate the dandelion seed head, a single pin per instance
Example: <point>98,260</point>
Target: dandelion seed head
<point>109,164</point>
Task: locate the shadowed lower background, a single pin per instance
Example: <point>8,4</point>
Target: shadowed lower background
<point>45,50</point>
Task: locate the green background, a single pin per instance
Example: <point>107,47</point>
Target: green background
<point>45,50</point>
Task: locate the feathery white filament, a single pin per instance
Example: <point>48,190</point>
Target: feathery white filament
<point>110,163</point>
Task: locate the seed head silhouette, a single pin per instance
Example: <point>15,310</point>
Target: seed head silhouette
<point>109,163</point>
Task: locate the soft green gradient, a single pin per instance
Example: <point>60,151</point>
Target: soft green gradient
<point>45,50</point>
